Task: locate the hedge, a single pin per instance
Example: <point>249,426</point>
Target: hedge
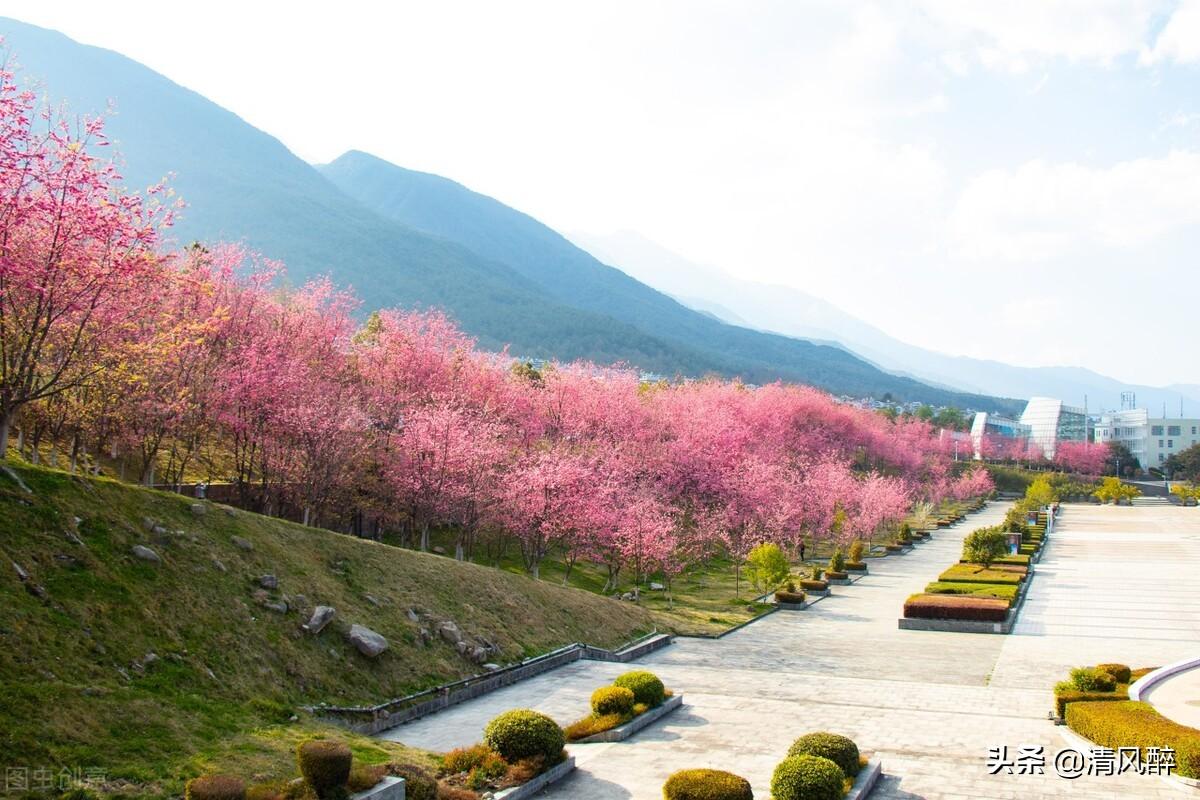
<point>856,566</point>
<point>834,575</point>
<point>612,700</point>
<point>1120,672</point>
<point>1063,699</point>
<point>325,765</point>
<point>953,606</point>
<point>784,596</point>
<point>806,777</point>
<point>813,586</point>
<point>706,784</point>
<point>1006,592</point>
<point>1130,724</point>
<point>971,573</point>
<point>215,787</point>
<point>646,686</point>
<point>837,748</point>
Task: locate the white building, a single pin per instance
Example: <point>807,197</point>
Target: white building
<point>1152,440</point>
<point>1051,421</point>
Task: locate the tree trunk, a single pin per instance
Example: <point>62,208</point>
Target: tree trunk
<point>425,537</point>
<point>458,550</point>
<point>5,425</point>
<point>306,513</point>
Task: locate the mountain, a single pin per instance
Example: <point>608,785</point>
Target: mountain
<point>444,208</point>
<point>790,311</point>
<point>423,241</point>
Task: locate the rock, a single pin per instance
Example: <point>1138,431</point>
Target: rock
<point>479,654</point>
<point>148,524</point>
<point>462,648</point>
<point>146,554</point>
<point>94,691</point>
<point>219,566</point>
<point>413,616</point>
<point>298,602</point>
<point>268,581</point>
<point>278,608</point>
<point>372,600</point>
<point>199,509</point>
<point>242,544</point>
<point>321,616</point>
<point>22,575</point>
<point>74,539</point>
<point>450,632</point>
<point>441,551</point>
<point>76,521</point>
<point>657,587</point>
<point>145,661</point>
<point>67,561</point>
<point>368,642</point>
<point>229,511</point>
<point>159,531</point>
<point>491,667</point>
<point>260,596</point>
<point>426,636</point>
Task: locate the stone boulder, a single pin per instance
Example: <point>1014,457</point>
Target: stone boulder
<point>242,544</point>
<point>146,554</point>
<point>321,616</point>
<point>450,632</point>
<point>199,509</point>
<point>368,642</point>
<point>268,582</point>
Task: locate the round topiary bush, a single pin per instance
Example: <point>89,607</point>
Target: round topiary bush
<point>838,749</point>
<point>807,777</point>
<point>325,765</point>
<point>1120,672</point>
<point>706,784</point>
<point>646,686</point>
<point>215,787</point>
<point>612,700</point>
<point>523,733</point>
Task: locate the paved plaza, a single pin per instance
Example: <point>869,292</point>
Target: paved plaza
<point>1115,584</point>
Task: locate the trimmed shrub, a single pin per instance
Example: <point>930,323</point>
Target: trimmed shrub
<point>893,548</point>
<point>1120,672</point>
<point>806,777</point>
<point>836,576</point>
<point>1089,679</point>
<point>215,787</point>
<point>857,550</point>
<point>363,777</point>
<point>1069,694</point>
<point>973,573</point>
<point>612,700</point>
<point>646,686</point>
<point>838,749</point>
<point>815,572</point>
<point>325,765</point>
<point>522,733</point>
<point>985,546</point>
<point>1130,724</point>
<point>591,725</point>
<point>905,531</point>
<point>856,566</point>
<point>768,565</point>
<point>813,586</point>
<point>706,784</point>
<point>954,606</point>
<point>419,783</point>
<point>784,596</point>
<point>837,561</point>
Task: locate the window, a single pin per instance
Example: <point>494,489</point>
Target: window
<point>1160,443</point>
<point>1170,444</point>
<point>1174,430</point>
<point>1161,458</point>
<point>1156,430</point>
<point>1193,430</point>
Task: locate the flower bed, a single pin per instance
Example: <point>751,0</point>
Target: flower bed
<point>630,696</point>
<point>518,746</point>
<point>977,573</point>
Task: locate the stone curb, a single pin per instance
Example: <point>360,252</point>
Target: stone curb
<point>865,781</point>
<point>530,788</point>
<point>1148,681</point>
<point>622,732</point>
<point>390,788</point>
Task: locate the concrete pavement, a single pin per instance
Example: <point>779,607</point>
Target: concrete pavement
<point>1115,584</point>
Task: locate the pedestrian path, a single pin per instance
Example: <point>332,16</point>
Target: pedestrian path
<point>930,704</point>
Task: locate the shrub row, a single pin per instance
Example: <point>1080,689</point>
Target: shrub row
<point>818,766</point>
<point>1130,724</point>
<point>952,606</point>
<point>973,573</point>
<point>1003,592</point>
<point>631,694</point>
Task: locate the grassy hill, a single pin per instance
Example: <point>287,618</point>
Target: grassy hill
<point>78,686</point>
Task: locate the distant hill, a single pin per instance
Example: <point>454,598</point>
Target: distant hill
<point>791,311</point>
<point>401,238</point>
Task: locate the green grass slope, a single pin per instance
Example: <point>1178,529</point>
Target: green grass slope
<point>78,689</point>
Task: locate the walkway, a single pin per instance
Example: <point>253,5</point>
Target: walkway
<point>1178,697</point>
<point>930,704</point>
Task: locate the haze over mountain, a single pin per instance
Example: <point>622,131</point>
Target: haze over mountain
<point>796,313</point>
<point>507,279</point>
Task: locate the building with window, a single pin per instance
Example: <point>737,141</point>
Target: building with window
<point>1152,440</point>
<point>1051,421</point>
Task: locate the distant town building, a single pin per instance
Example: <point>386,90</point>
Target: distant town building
<point>1043,424</point>
<point>1151,440</point>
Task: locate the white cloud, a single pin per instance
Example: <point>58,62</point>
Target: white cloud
<point>1013,36</point>
<point>1179,40</point>
<point>1042,210</point>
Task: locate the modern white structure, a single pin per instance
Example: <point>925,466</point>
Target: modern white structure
<point>1051,421</point>
<point>989,426</point>
<point>1151,440</point>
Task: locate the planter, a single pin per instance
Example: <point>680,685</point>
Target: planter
<point>390,788</point>
<point>814,587</point>
<point>532,787</point>
<point>856,566</point>
<point>838,578</point>
<point>784,599</point>
<point>865,781</point>
<point>803,604</point>
<point>622,732</point>
<point>893,548</point>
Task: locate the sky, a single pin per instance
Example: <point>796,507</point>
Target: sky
<point>1017,181</point>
